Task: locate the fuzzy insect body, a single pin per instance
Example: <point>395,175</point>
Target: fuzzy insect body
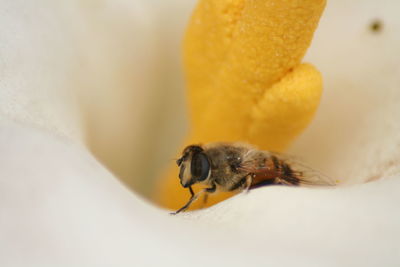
<point>240,167</point>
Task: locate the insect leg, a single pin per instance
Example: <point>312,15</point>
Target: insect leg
<point>195,197</point>
<point>208,191</point>
<point>211,189</point>
<point>191,191</point>
<point>205,199</point>
<point>249,180</point>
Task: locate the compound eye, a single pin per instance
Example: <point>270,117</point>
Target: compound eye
<point>199,167</point>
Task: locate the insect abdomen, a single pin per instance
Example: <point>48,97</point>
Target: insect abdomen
<point>274,171</point>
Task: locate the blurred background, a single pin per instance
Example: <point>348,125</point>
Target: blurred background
<point>138,120</point>
<point>114,83</point>
<point>136,125</point>
<point>106,75</point>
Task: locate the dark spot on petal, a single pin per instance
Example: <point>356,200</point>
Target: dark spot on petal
<point>376,26</point>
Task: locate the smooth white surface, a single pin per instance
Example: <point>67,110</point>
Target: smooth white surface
<point>355,135</point>
<point>61,207</point>
<point>353,226</point>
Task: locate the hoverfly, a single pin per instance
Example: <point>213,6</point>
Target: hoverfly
<point>240,167</point>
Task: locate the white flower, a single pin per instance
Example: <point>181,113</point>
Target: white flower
<point>80,75</point>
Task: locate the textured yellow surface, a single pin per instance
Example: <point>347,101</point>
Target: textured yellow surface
<point>245,79</point>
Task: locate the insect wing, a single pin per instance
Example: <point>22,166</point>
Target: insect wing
<point>276,168</point>
<point>307,175</point>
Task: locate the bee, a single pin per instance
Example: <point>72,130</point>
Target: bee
<point>240,167</point>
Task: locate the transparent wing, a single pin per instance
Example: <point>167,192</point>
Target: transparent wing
<point>308,176</point>
<point>284,169</point>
